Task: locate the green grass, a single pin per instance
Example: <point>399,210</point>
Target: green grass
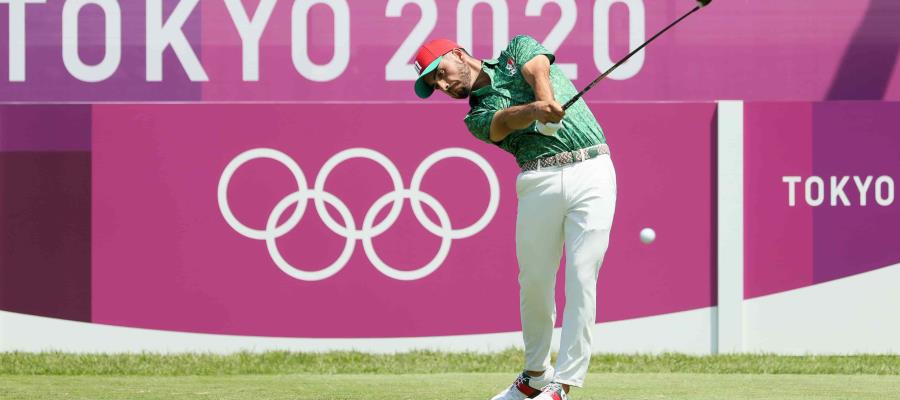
<point>432,375</point>
<point>424,362</point>
<point>446,386</point>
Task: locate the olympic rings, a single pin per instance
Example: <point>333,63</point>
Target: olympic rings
<point>368,230</point>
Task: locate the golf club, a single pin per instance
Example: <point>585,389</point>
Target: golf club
<point>700,4</point>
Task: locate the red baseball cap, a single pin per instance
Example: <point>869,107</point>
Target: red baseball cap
<point>429,56</point>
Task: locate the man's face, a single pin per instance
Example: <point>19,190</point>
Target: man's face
<point>452,76</point>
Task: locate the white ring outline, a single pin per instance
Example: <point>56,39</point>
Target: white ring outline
<point>368,154</point>
<point>225,179</point>
<point>431,266</point>
<point>285,266</point>
<point>493,185</point>
<point>367,231</point>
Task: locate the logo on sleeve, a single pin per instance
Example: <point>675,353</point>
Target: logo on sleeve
<point>511,66</point>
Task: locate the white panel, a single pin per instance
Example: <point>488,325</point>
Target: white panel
<point>730,226</point>
<point>686,332</point>
<point>857,314</point>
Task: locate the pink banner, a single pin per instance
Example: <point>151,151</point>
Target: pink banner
<point>819,192</point>
<point>205,219</point>
<point>341,50</point>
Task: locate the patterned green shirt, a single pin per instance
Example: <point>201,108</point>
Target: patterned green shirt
<point>509,88</point>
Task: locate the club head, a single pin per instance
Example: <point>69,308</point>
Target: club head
<point>703,3</point>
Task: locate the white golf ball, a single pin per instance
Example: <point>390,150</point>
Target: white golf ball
<point>647,235</point>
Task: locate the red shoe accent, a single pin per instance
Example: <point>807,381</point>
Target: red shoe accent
<point>522,385</point>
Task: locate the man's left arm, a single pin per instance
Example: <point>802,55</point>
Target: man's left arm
<point>537,74</point>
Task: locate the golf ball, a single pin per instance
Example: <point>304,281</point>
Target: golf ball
<point>647,235</point>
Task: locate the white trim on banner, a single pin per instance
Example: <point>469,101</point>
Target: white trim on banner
<point>685,332</point>
<point>851,315</point>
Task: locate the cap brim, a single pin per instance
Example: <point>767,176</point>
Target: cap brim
<point>424,90</point>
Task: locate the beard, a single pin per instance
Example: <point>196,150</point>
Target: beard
<point>465,80</point>
<point>461,93</point>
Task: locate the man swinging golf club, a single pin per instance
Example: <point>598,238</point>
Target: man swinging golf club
<point>566,191</point>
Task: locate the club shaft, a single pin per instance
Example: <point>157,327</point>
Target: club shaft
<point>622,61</point>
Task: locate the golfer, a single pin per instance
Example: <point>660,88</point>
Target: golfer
<point>566,193</point>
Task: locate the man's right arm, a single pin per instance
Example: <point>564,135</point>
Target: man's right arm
<point>515,118</point>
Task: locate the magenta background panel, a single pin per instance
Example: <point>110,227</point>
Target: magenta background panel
<point>665,168</point>
<point>788,247</point>
<point>754,50</point>
<point>45,233</point>
<point>778,238</point>
<point>45,127</point>
<point>856,139</point>
<point>165,258</point>
<point>48,80</point>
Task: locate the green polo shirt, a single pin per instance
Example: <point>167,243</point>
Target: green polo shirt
<point>509,88</point>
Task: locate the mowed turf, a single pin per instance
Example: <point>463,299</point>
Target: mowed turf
<point>432,375</point>
<point>447,386</point>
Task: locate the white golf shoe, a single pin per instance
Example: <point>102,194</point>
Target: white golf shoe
<point>526,386</point>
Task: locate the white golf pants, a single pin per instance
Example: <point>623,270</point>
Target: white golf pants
<point>571,205</point>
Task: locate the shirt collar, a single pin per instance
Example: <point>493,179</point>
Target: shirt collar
<point>488,67</point>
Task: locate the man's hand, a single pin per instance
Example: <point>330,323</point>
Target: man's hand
<point>547,111</point>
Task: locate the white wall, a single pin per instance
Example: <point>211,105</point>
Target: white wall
<point>686,332</point>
